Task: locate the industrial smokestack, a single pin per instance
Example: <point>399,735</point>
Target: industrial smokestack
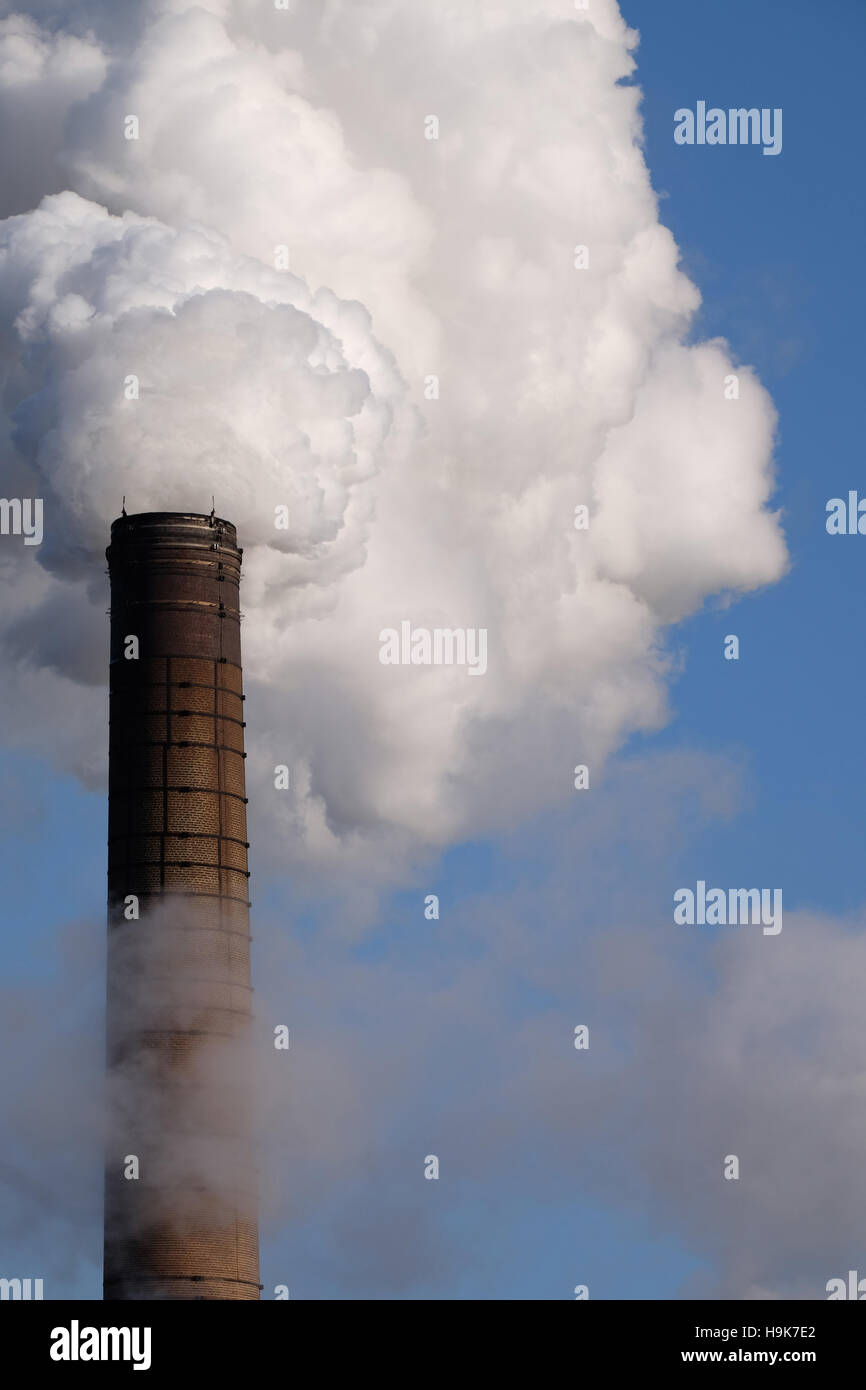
<point>180,1186</point>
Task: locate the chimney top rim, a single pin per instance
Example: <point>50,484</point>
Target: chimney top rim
<point>207,518</point>
<point>203,520</point>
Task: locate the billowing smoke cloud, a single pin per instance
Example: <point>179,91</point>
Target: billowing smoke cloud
<point>42,75</point>
<point>237,379</point>
<point>432,387</point>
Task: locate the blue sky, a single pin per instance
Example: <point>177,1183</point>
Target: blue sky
<point>775,246</point>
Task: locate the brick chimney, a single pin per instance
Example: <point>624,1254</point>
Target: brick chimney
<point>180,1183</point>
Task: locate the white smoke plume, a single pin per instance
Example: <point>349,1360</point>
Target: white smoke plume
<point>410,258</point>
